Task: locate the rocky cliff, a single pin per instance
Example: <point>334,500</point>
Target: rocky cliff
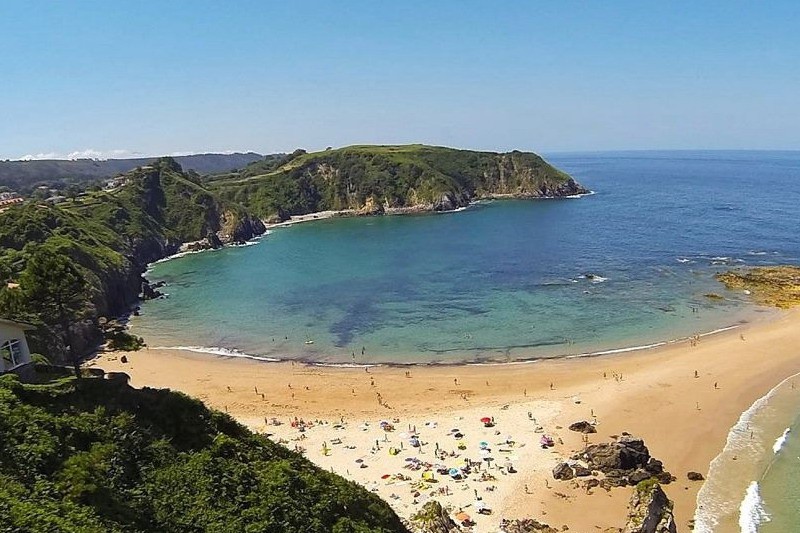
<point>378,179</point>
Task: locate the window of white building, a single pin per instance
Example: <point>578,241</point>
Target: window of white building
<point>11,352</point>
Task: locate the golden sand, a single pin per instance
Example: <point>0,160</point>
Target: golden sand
<point>653,394</point>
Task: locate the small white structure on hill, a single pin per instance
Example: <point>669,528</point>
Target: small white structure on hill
<point>14,352</point>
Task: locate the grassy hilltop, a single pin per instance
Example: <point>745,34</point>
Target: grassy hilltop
<point>374,179</point>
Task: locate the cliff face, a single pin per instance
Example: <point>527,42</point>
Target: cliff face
<point>376,179</point>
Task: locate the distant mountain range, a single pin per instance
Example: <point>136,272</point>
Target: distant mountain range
<point>23,176</point>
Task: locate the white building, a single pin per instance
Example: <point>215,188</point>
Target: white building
<point>14,352</point>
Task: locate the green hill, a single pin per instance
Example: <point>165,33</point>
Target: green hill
<point>375,179</point>
<point>24,176</point>
<point>94,455</point>
<point>104,241</point>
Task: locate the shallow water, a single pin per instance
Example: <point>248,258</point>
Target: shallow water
<point>502,280</point>
<point>754,484</point>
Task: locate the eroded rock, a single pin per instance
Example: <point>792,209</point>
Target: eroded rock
<point>650,510</point>
<point>433,518</point>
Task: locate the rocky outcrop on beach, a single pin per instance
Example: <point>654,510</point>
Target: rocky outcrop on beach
<point>650,510</point>
<point>695,476</point>
<point>525,525</point>
<point>433,518</point>
<point>626,461</point>
<point>583,427</point>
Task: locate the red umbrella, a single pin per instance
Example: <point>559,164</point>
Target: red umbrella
<point>485,420</point>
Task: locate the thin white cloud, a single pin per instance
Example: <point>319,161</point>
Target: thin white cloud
<point>93,153</point>
<point>89,153</point>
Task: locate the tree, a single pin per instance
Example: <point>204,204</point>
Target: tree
<point>72,191</point>
<point>54,288</point>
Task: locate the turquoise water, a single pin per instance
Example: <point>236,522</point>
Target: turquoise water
<point>501,280</point>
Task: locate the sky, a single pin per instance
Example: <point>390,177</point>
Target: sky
<point>114,79</point>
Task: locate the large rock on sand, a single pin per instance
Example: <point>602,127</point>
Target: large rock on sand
<point>583,427</point>
<point>650,510</point>
<point>563,472</point>
<point>628,453</point>
<point>525,525</point>
<point>626,461</point>
<point>432,518</point>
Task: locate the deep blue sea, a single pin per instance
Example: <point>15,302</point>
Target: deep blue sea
<point>628,266</point>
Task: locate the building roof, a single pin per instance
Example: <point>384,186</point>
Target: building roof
<point>21,325</point>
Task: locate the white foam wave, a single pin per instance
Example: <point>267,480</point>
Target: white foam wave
<point>780,441</point>
<point>343,365</point>
<point>252,242</point>
<point>619,350</point>
<point>751,511</point>
<point>709,508</point>
<point>217,350</point>
<point>574,196</point>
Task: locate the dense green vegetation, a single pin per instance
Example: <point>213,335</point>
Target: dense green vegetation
<point>26,176</point>
<point>382,177</point>
<point>93,454</point>
<point>89,253</point>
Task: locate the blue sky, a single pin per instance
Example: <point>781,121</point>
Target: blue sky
<point>153,77</point>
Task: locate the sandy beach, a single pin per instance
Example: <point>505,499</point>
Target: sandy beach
<point>653,394</point>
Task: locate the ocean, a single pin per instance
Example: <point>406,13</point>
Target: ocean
<point>631,265</point>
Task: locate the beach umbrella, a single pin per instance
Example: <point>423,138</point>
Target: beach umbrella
<point>454,472</point>
<point>359,460</point>
<point>459,435</point>
<point>488,459</point>
<point>483,444</point>
<point>486,420</point>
